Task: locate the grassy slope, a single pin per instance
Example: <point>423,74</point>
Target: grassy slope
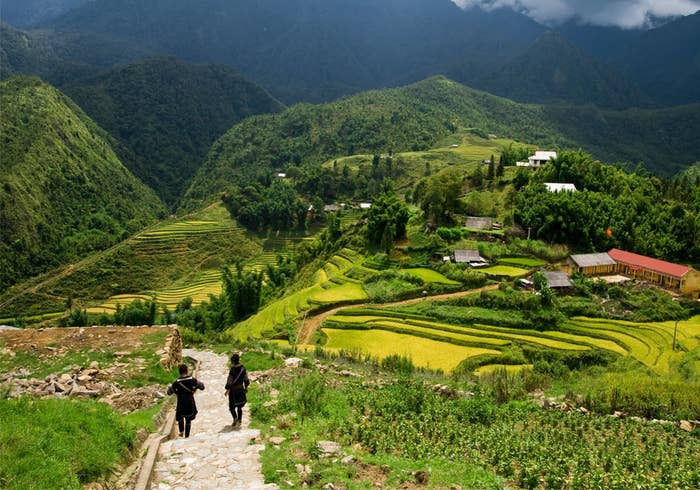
<point>64,191</point>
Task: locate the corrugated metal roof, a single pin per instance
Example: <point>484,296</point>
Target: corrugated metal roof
<point>648,263</point>
<point>592,260</point>
<point>468,256</point>
<point>558,280</point>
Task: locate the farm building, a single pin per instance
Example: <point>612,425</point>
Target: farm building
<point>556,187</point>
<point>331,208</point>
<point>592,264</point>
<point>558,280</point>
<point>470,257</point>
<point>666,274</point>
<point>365,205</point>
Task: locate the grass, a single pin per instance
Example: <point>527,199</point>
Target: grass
<point>57,443</point>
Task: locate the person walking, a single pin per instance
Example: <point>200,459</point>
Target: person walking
<point>186,411</point>
<point>236,387</point>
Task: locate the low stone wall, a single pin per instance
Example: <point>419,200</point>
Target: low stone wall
<point>171,353</point>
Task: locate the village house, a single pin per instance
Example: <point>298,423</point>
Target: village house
<point>557,187</point>
<point>558,280</point>
<point>660,272</point>
<point>365,205</point>
<point>331,208</point>
<point>537,160</point>
<point>592,264</point>
<point>470,257</point>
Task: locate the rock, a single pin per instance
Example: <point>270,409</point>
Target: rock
<point>329,486</point>
<point>455,487</point>
<point>277,440</point>
<point>303,469</point>
<point>83,378</point>
<point>328,448</point>
<point>348,459</point>
<point>293,362</point>
<point>59,388</point>
<point>583,409</point>
<point>122,353</point>
<point>420,476</point>
<point>685,425</point>
<point>94,365</point>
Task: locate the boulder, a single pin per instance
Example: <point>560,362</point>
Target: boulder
<point>293,362</point>
<point>328,448</point>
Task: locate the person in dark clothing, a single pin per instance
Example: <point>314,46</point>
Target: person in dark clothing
<point>186,411</point>
<point>236,387</point>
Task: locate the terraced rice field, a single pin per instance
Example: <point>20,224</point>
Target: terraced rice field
<point>423,352</point>
<point>330,286</point>
<point>504,271</point>
<point>431,276</point>
<point>648,343</point>
<point>522,261</point>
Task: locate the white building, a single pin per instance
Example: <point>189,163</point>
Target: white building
<point>538,159</point>
<point>555,187</point>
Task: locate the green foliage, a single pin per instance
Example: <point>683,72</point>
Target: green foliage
<point>643,214</point>
<point>309,395</point>
<point>64,191</point>
<point>386,221</point>
<point>167,113</point>
<point>59,443</point>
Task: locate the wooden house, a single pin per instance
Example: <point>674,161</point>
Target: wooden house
<point>470,257</point>
<point>558,280</point>
<point>592,264</point>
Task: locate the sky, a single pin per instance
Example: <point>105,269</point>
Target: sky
<point>627,14</point>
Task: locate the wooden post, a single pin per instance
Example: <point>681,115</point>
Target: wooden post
<point>675,329</point>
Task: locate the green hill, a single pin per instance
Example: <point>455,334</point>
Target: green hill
<point>168,113</point>
<point>415,117</point>
<point>64,191</point>
<point>554,70</point>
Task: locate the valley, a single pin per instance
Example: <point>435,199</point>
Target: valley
<point>456,244</point>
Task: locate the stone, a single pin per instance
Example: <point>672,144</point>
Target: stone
<point>94,365</point>
<point>685,425</point>
<point>277,440</point>
<point>293,362</point>
<point>328,448</point>
<point>348,459</point>
<point>329,486</point>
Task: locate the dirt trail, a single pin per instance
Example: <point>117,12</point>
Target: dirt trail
<point>310,325</point>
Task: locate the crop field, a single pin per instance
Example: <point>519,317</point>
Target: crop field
<point>423,352</point>
<point>649,343</point>
<point>331,286</point>
<point>504,271</point>
<point>429,275</point>
<point>522,261</point>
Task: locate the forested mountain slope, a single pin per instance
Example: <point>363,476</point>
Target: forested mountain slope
<point>168,113</point>
<point>315,50</point>
<point>416,116</point>
<point>25,13</point>
<point>58,57</point>
<point>554,70</point>
<point>64,191</point>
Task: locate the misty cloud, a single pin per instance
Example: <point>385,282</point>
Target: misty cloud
<point>623,13</point>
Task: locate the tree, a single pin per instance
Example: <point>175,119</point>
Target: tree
<point>477,178</point>
<point>491,172</point>
<point>386,219</point>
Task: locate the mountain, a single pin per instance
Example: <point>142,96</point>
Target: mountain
<point>665,61</point>
<point>25,13</point>
<point>416,116</point>
<point>554,70</point>
<point>314,50</point>
<point>64,191</point>
<point>167,113</point>
<point>58,57</point>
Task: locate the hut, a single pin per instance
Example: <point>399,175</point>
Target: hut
<point>470,257</point>
<point>558,280</point>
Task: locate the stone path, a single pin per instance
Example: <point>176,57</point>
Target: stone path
<point>215,456</point>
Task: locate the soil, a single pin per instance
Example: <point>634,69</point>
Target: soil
<point>47,340</point>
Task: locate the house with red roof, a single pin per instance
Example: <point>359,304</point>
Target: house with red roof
<point>665,274</point>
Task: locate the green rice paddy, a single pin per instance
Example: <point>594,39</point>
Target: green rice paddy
<point>504,271</point>
<point>522,261</point>
<point>430,276</point>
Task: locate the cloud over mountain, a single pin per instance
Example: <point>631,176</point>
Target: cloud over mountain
<point>623,13</point>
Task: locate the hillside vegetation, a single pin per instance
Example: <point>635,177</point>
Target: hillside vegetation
<point>167,114</point>
<point>64,191</point>
<point>417,116</point>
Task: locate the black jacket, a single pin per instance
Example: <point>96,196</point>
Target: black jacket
<point>184,388</point>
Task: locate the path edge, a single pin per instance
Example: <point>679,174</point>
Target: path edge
<point>165,433</point>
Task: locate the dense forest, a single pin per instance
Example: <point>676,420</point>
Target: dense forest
<point>167,114</point>
<point>64,191</point>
